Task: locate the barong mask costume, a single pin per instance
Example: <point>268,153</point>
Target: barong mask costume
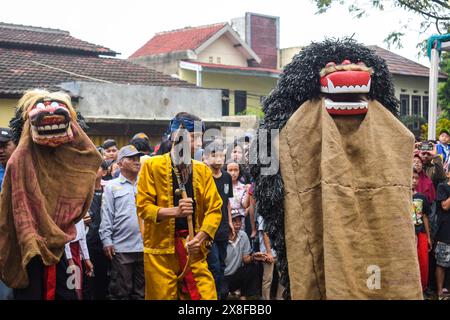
<point>48,185</point>
<point>50,123</point>
<point>338,208</point>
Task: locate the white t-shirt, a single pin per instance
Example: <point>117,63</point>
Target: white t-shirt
<point>81,237</point>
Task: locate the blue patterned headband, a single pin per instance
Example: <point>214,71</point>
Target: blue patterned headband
<point>186,123</point>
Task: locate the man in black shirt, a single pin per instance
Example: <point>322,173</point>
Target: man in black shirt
<point>98,284</point>
<point>215,159</point>
<point>443,235</point>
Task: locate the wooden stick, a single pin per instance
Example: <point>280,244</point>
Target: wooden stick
<point>189,218</point>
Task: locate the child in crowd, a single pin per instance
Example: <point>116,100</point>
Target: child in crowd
<point>421,211</point>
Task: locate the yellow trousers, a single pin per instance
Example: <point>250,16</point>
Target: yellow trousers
<point>161,272</point>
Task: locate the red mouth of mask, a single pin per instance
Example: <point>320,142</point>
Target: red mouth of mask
<point>345,87</point>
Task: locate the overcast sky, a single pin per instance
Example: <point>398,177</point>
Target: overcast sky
<point>125,26</point>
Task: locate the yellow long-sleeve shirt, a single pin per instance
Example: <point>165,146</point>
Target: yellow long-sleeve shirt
<point>155,191</point>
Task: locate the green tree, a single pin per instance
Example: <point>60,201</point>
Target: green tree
<point>435,14</point>
<point>442,123</point>
<point>413,123</point>
<point>444,88</point>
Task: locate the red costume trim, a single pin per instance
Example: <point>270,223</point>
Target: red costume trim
<point>188,284</point>
<point>49,282</point>
<point>76,257</point>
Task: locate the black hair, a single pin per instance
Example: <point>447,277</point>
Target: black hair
<point>109,143</point>
<point>104,165</point>
<point>141,144</point>
<point>244,176</point>
<point>187,115</point>
<point>164,147</point>
<point>213,147</point>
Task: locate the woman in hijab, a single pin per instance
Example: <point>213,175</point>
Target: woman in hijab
<point>425,185</point>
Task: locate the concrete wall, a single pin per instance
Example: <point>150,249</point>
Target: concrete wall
<point>7,107</point>
<point>223,48</point>
<point>285,56</point>
<point>166,63</point>
<point>144,102</point>
<point>248,124</point>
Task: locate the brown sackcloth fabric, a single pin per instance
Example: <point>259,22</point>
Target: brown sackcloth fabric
<point>348,200</point>
<point>45,190</point>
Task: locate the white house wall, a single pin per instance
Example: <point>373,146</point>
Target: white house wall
<point>223,49</point>
<point>411,86</point>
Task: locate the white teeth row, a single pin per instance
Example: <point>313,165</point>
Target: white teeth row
<point>345,89</point>
<point>345,105</point>
<point>43,128</point>
<point>52,127</point>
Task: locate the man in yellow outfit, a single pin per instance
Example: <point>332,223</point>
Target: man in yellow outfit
<point>165,218</point>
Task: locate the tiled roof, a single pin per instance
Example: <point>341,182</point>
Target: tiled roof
<point>237,68</point>
<point>402,66</point>
<point>28,37</point>
<point>26,69</point>
<point>178,40</point>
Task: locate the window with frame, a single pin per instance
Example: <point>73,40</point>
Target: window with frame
<point>425,107</point>
<point>211,59</point>
<point>404,104</point>
<point>219,60</point>
<point>416,105</point>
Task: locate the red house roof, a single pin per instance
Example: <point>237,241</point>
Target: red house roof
<point>19,36</point>
<point>178,40</point>
<point>402,66</point>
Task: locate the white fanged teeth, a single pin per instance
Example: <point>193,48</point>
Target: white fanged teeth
<point>48,128</point>
<point>55,127</point>
<point>62,126</point>
<point>345,89</point>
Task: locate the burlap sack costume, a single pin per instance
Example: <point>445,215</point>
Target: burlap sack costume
<point>347,205</point>
<point>338,210</point>
<point>45,190</point>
